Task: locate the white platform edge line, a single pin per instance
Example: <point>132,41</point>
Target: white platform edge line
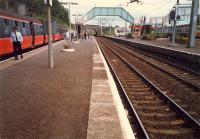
<point>124,122</point>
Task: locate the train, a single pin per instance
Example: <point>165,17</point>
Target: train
<point>120,32</point>
<point>182,30</point>
<point>33,32</point>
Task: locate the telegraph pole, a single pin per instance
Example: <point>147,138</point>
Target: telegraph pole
<point>110,29</point>
<point>174,26</point>
<point>76,22</point>
<point>101,26</point>
<point>193,23</point>
<point>50,50</point>
<point>70,27</point>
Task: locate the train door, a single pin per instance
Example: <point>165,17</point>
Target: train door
<point>43,30</point>
<point>1,27</point>
<point>32,33</point>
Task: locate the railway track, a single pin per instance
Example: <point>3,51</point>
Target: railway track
<point>157,115</point>
<point>189,77</point>
<point>180,89</point>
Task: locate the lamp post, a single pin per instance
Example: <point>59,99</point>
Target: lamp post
<point>50,50</point>
<point>193,23</point>
<point>69,3</point>
<point>76,20</point>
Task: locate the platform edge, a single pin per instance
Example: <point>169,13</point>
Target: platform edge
<point>124,122</point>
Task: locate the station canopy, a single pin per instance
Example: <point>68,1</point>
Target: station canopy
<point>108,11</point>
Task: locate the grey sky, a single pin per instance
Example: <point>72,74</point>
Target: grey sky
<point>149,8</point>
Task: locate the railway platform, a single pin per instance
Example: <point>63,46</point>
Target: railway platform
<point>161,47</point>
<point>165,43</point>
<point>77,99</point>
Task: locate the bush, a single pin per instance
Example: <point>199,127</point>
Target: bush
<point>182,39</point>
<point>149,37</point>
<point>129,35</point>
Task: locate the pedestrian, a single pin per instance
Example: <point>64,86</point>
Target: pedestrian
<point>16,39</point>
<point>85,35</point>
<point>88,34</point>
<point>82,36</point>
<point>66,35</point>
<point>72,36</point>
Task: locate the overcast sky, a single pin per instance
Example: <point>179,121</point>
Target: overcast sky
<point>149,8</point>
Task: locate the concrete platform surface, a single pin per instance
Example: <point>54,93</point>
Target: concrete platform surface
<point>41,103</point>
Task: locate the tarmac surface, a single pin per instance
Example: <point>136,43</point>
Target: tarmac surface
<point>41,103</point>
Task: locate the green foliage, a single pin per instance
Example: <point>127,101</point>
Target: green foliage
<point>150,36</point>
<point>106,31</point>
<point>182,39</point>
<point>38,9</point>
<point>129,35</point>
<point>59,13</point>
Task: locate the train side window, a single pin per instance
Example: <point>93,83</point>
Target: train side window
<point>28,29</point>
<point>7,28</point>
<point>23,24</point>
<point>38,29</point>
<point>6,21</point>
<point>16,23</point>
<point>24,31</point>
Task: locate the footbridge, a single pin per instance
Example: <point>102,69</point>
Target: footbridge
<point>108,11</point>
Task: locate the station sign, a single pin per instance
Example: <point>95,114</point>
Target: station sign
<point>48,2</point>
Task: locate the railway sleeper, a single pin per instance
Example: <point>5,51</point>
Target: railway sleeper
<point>164,124</point>
<point>136,97</point>
<point>138,93</point>
<point>149,102</point>
<point>158,116</point>
<point>182,133</point>
<point>158,108</point>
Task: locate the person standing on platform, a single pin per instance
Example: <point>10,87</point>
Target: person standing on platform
<point>85,35</point>
<point>17,39</point>
<point>66,35</point>
<point>82,36</point>
<point>72,36</point>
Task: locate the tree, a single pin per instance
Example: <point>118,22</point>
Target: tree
<point>37,9</point>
